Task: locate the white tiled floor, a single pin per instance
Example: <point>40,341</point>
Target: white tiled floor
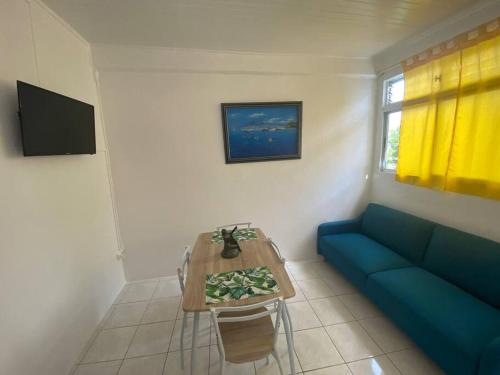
<point>337,332</point>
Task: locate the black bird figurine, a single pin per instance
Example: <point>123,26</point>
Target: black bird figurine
<point>231,247</point>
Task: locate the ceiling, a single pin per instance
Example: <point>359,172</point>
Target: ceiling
<point>343,28</point>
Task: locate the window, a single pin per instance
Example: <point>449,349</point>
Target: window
<point>393,93</point>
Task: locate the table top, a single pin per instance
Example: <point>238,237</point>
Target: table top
<point>206,259</point>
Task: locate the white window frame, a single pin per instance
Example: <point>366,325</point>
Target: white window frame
<point>385,110</point>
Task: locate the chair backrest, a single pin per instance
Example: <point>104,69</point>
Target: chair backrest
<point>248,225</point>
<point>276,249</point>
<point>272,306</point>
<point>182,270</point>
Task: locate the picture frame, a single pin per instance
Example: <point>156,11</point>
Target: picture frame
<point>262,131</point>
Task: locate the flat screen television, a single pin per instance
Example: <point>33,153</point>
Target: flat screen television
<point>53,124</point>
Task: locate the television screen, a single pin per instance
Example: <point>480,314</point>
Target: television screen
<point>53,124</point>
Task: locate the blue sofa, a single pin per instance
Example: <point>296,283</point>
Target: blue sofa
<point>439,285</point>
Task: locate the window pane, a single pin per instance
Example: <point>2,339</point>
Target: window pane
<point>393,122</point>
<point>395,90</point>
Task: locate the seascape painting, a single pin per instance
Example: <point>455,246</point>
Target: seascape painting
<point>262,131</point>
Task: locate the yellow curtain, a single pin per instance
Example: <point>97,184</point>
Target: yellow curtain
<point>450,124</point>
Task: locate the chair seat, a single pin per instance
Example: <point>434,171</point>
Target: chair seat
<point>249,340</point>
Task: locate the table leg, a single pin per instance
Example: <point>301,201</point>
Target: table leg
<point>194,340</point>
<point>289,339</point>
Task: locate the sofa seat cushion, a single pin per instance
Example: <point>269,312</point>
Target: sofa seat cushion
<point>453,326</point>
<point>361,254</point>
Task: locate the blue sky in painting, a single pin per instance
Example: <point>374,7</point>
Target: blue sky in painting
<point>238,117</point>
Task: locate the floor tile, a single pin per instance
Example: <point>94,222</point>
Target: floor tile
<point>105,318</point>
<point>151,339</point>
<point>167,288</point>
<point>173,363</point>
<point>126,314</point>
<point>109,345</point>
<point>303,317</point>
<point>303,270</point>
<point>331,311</point>
<point>152,365</point>
<point>360,306</point>
<point>337,282</point>
<point>230,368</point>
<point>315,349</point>
<point>389,337</point>
<point>103,368</point>
<point>319,353</point>
<point>352,341</point>
<point>203,334</point>
<point>299,295</point>
<point>374,366</point>
<point>87,346</point>
<point>162,310</point>
<point>334,370</point>
<point>414,362</point>
<point>272,368</point>
<point>315,288</point>
<point>340,287</point>
<point>324,269</point>
<point>136,292</point>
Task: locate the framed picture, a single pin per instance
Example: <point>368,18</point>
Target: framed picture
<point>262,131</point>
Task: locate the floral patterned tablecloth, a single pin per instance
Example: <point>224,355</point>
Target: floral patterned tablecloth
<point>244,234</point>
<point>241,284</point>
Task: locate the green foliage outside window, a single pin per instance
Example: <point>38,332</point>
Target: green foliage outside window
<point>392,148</point>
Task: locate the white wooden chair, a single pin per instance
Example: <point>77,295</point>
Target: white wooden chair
<point>276,249</point>
<point>181,274</point>
<point>283,260</point>
<point>246,333</point>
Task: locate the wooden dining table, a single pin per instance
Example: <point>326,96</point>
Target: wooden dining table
<point>206,259</point>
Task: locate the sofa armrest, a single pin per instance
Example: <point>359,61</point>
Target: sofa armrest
<point>490,359</point>
<point>337,227</point>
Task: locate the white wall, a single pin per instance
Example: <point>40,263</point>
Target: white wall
<point>468,213</point>
<point>162,110</point>
<point>58,271</point>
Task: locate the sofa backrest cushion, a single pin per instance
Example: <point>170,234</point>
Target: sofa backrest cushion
<point>470,262</point>
<point>406,234</point>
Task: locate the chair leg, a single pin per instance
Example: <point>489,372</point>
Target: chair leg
<point>194,341</point>
<point>221,358</point>
<point>183,326</point>
<point>267,361</point>
<point>289,341</point>
<point>289,320</point>
<point>222,365</point>
<point>278,361</point>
